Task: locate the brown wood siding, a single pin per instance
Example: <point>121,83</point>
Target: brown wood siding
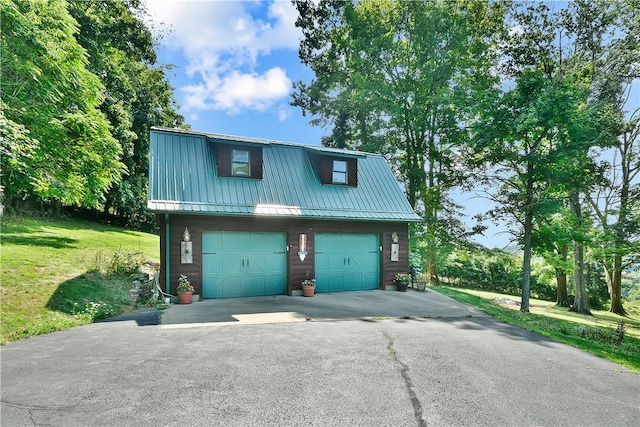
<point>223,159</point>
<point>352,172</point>
<point>320,164</point>
<point>297,270</point>
<point>255,157</point>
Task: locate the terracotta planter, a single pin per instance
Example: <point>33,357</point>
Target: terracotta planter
<point>308,291</point>
<point>402,286</point>
<point>185,297</point>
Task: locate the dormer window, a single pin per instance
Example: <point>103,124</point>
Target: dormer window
<point>240,165</point>
<point>339,172</point>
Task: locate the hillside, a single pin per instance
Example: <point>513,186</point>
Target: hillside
<point>61,273</point>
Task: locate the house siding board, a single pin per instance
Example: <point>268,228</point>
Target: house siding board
<point>297,270</point>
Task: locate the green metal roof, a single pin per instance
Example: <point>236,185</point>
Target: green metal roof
<point>183,178</point>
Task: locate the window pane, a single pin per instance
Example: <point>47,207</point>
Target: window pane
<point>240,169</point>
<point>339,172</point>
<point>240,156</point>
<point>339,178</point>
<point>240,163</point>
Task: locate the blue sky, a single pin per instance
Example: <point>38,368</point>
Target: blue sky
<point>235,62</point>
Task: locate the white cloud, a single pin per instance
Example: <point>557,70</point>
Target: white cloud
<point>223,42</point>
<point>236,91</point>
<point>283,113</point>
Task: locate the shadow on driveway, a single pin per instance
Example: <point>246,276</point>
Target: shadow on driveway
<point>365,306</point>
<point>359,305</point>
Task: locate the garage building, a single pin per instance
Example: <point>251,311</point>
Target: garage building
<point>250,217</point>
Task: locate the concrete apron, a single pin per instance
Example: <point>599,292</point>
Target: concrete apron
<point>362,305</point>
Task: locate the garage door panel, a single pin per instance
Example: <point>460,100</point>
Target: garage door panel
<point>238,264</point>
<point>347,262</point>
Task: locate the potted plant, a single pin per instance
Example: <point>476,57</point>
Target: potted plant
<point>421,282</point>
<point>309,287</point>
<point>185,290</point>
<point>402,281</point>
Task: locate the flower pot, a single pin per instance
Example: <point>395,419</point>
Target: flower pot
<point>308,291</point>
<point>185,297</point>
<point>402,286</point>
<point>422,286</point>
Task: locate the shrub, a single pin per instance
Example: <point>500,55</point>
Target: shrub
<point>120,262</point>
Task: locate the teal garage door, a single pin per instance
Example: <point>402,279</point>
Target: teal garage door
<point>243,264</point>
<point>347,262</point>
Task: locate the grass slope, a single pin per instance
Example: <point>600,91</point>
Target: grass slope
<point>51,278</point>
<point>596,334</point>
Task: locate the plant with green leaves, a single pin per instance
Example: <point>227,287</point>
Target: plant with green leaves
<point>184,285</point>
<point>402,278</point>
<point>121,50</point>
<point>309,283</point>
<point>540,133</point>
<point>55,143</point>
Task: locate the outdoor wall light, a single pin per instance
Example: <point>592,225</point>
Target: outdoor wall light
<point>302,247</point>
<point>186,248</point>
<point>395,247</point>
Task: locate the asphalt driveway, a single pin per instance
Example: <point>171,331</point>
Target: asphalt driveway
<point>397,365</point>
<point>362,305</point>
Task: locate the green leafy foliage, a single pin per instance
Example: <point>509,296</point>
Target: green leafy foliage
<point>80,91</point>
<point>121,51</point>
<point>61,145</point>
<point>399,78</point>
<point>495,270</point>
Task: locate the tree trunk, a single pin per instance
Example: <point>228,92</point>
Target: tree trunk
<point>432,271</point>
<point>561,280</point>
<point>616,288</point>
<point>526,258</point>
<point>581,302</point>
<point>431,209</point>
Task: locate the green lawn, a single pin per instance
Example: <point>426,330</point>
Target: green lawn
<point>597,334</point>
<point>51,275</point>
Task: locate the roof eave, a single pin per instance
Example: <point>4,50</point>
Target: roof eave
<point>406,217</point>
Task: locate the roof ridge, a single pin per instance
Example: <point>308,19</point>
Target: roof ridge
<point>263,141</point>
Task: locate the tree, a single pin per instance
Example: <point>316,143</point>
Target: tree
<point>399,78</point>
<point>56,144</point>
<point>540,131</point>
<point>617,209</point>
<point>137,93</point>
<point>607,42</point>
<point>615,202</point>
<point>551,240</point>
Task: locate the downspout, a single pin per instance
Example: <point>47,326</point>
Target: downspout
<point>167,250</point>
